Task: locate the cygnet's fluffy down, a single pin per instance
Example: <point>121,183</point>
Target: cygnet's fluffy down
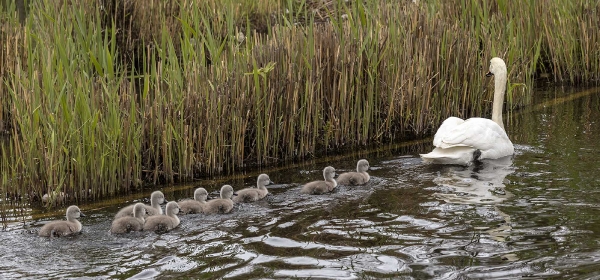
<point>254,194</point>
<point>156,199</point>
<point>321,187</point>
<point>128,224</point>
<point>164,223</point>
<point>222,205</point>
<point>359,177</point>
<point>64,228</point>
<point>196,205</point>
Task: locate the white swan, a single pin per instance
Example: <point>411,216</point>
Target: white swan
<point>460,142</point>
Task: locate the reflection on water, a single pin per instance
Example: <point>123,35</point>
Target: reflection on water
<point>532,216</point>
<point>482,182</point>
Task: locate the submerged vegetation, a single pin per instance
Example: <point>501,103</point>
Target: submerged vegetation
<point>101,97</point>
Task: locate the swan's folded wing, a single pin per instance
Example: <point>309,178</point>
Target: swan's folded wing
<point>478,133</point>
<point>447,126</point>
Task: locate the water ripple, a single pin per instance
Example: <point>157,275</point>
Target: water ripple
<point>532,216</point>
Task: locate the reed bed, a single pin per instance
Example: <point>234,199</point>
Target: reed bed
<point>105,97</point>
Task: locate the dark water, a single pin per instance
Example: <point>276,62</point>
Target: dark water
<point>534,216</point>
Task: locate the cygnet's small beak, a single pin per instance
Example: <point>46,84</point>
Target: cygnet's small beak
<point>335,175</point>
<point>489,74</point>
<point>235,194</point>
<point>81,214</point>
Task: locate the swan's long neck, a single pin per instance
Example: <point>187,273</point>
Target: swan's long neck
<point>499,91</point>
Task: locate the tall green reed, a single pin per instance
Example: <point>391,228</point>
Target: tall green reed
<point>72,130</point>
<point>101,99</point>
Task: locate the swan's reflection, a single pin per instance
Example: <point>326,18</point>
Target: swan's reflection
<point>480,183</point>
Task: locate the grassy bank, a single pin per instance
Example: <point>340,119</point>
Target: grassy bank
<point>106,97</point>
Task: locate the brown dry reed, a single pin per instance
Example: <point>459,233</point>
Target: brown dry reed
<point>102,97</point>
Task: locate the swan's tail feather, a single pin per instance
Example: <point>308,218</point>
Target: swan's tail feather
<point>454,155</point>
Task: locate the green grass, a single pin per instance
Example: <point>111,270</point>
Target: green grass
<point>99,100</point>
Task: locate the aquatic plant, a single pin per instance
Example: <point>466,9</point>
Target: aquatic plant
<point>100,99</point>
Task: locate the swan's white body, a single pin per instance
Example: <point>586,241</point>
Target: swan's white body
<point>460,141</point>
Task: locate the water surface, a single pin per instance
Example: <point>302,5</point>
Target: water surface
<point>534,216</point>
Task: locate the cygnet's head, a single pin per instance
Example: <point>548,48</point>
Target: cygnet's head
<point>158,197</point>
<point>227,192</point>
<point>200,194</point>
<point>329,173</point>
<point>172,208</point>
<point>73,212</point>
<point>139,210</point>
<point>362,165</point>
<point>263,180</point>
